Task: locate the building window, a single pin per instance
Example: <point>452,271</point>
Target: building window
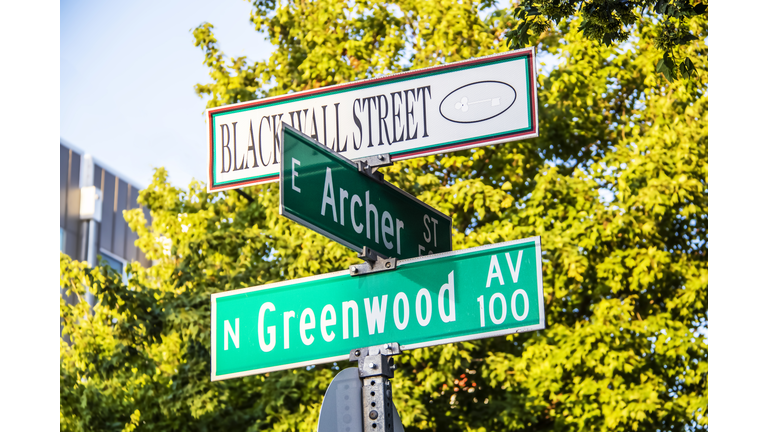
<point>62,239</point>
<point>117,263</point>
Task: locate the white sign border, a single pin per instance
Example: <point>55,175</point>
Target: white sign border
<point>540,326</point>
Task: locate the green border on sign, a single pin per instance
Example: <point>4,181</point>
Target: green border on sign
<point>397,80</point>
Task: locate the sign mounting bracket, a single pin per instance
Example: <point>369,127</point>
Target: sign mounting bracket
<point>370,165</point>
<point>374,262</point>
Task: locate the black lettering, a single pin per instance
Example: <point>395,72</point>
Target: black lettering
<point>383,119</point>
<point>314,127</point>
<point>325,127</point>
<point>223,147</point>
<point>337,142</point>
<point>409,115</point>
<point>261,155</point>
<point>396,117</point>
<point>251,148</point>
<point>234,148</point>
<point>359,125</point>
<point>424,91</point>
<point>276,135</point>
<point>371,102</point>
<point>298,119</point>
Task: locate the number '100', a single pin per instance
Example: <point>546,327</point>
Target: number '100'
<point>499,297</point>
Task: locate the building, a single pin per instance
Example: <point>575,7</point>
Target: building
<point>91,223</point>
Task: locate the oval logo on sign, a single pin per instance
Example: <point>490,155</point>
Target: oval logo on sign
<point>476,102</point>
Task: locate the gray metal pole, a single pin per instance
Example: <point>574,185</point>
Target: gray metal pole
<point>89,297</point>
<point>375,367</point>
<point>90,214</point>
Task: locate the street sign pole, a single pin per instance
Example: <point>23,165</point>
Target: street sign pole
<point>375,367</point>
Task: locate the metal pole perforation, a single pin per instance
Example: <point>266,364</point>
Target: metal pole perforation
<point>375,367</point>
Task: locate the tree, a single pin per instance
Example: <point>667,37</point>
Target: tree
<point>610,21</point>
<point>616,185</point>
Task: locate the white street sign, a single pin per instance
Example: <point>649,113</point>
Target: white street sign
<point>441,109</point>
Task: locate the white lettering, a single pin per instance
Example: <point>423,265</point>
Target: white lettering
<point>286,333</point>
<point>328,197</point>
<point>451,315</point>
<point>294,174</point>
<point>305,325</point>
<point>401,298</point>
<point>482,310</point>
<point>326,322</point>
<point>515,271</point>
<point>266,347</point>
<point>423,320</point>
<point>525,305</point>
<point>434,230</point>
<point>235,335</point>
<point>376,315</point>
<point>346,306</point>
<point>494,272</point>
<point>399,226</point>
<point>427,234</point>
<point>386,229</point>
<point>355,199</point>
<point>503,308</point>
<point>342,196</point>
<point>371,209</point>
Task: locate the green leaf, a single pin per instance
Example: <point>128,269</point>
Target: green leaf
<point>667,67</point>
<point>687,68</point>
<point>700,9</point>
<point>687,38</point>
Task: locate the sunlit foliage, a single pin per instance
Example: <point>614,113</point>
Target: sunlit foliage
<point>616,186</point>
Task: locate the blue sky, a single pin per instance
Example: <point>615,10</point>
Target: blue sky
<point>128,71</point>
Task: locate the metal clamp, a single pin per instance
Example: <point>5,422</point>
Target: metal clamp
<point>374,262</point>
<point>369,165</point>
<point>376,360</point>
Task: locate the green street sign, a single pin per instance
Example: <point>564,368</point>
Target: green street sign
<point>475,293</point>
<point>323,190</point>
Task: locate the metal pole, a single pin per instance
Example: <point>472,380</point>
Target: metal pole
<point>90,214</point>
<point>89,297</point>
<point>375,367</point>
